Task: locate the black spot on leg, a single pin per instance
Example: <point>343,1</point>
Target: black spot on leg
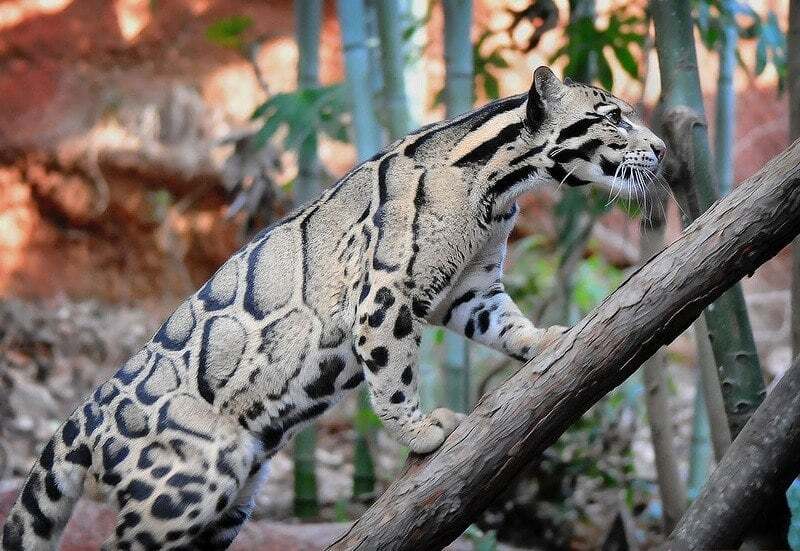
<point>403,325</point>
<point>113,453</point>
<point>164,507</point>
<point>46,459</point>
<point>51,487</point>
<point>93,418</point>
<point>159,472</point>
<point>70,432</point>
<point>80,456</point>
<point>469,329</point>
<point>13,533</point>
<point>329,369</point>
<point>407,376</point>
<point>380,355</point>
<point>483,321</point>
<point>139,490</point>
<point>354,381</point>
<point>398,397</point>
<point>148,541</point>
<point>42,525</point>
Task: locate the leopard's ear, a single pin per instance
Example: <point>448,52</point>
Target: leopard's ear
<point>545,89</point>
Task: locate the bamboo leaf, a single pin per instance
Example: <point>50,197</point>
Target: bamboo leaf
<point>626,60</point>
<point>228,31</point>
<point>491,86</point>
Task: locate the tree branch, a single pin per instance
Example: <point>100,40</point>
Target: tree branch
<point>439,495</point>
<point>757,468</point>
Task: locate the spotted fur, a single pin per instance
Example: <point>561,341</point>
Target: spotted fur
<point>180,437</point>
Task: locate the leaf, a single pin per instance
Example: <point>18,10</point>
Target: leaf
<point>761,55</point>
<point>490,86</point>
<point>604,74</point>
<point>228,31</point>
<point>626,60</point>
<point>496,59</point>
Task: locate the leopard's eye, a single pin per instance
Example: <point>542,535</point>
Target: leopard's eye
<point>615,116</point>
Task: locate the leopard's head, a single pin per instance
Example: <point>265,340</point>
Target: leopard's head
<point>593,136</point>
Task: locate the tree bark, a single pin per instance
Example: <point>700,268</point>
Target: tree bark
<point>758,467</point>
<point>439,495</point>
<point>793,88</point>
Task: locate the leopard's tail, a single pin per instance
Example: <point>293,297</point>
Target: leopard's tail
<point>51,490</point>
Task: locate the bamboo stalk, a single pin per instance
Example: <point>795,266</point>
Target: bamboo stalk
<point>459,97</point>
<point>711,391</point>
<point>392,56</point>
<point>726,101</point>
<point>352,18</point>
<point>700,446</point>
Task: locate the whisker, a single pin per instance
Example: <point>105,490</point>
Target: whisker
<point>558,188</point>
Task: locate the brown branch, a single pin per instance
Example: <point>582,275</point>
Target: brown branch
<point>440,495</point>
<point>756,469</point>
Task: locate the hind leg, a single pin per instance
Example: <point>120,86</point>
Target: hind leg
<point>178,497</point>
<point>233,513</point>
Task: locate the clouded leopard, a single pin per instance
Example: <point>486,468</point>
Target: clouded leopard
<point>335,294</point>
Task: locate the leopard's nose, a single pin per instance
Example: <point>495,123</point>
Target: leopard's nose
<point>659,150</point>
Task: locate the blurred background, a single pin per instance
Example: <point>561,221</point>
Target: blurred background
<point>143,141</point>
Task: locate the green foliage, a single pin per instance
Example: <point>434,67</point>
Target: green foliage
<point>302,113</point>
<point>531,277</point>
<point>711,16</point>
<point>483,65</point>
<point>366,420</point>
<point>481,541</point>
<point>771,47</point>
<point>229,32</point>
<point>588,48</point>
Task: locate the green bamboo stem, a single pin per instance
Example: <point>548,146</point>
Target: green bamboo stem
<point>363,465</point>
<point>726,103</point>
<point>308,21</point>
<point>728,323</point>
<point>352,18</point>
<point>700,445</point>
<point>459,97</point>
<point>708,380</point>
<point>306,502</point>
<point>459,70</point>
<point>392,57</point>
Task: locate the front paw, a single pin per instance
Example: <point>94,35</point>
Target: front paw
<point>552,335</point>
<point>435,428</point>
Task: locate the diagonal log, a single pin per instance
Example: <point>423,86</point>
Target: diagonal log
<point>439,495</point>
<point>757,468</point>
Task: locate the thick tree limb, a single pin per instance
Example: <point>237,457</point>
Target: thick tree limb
<point>757,468</point>
<point>439,495</point>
